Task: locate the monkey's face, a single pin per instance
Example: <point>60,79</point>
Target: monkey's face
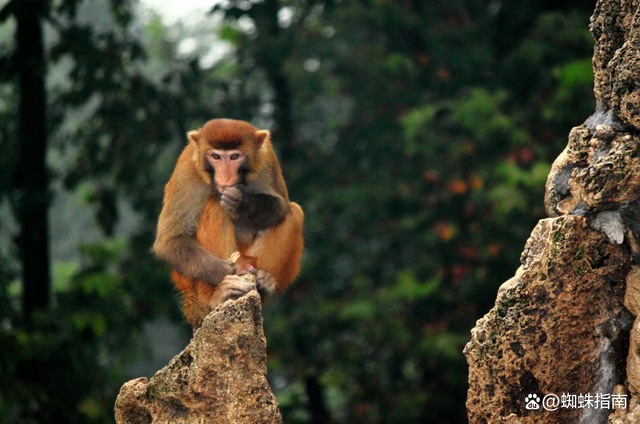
<point>226,166</point>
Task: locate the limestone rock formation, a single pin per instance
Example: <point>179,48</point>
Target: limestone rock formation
<point>559,326</point>
<point>219,378</point>
<point>563,324</point>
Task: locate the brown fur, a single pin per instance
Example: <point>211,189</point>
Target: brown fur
<point>195,234</point>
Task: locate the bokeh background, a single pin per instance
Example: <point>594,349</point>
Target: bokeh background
<point>417,136</point>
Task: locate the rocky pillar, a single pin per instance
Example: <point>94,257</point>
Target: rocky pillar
<point>560,326</point>
<point>219,378</point>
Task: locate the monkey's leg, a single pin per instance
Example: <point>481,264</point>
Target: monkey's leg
<point>195,295</point>
<point>194,309</point>
<point>280,251</point>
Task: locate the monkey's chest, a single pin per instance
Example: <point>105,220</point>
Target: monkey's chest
<point>216,233</point>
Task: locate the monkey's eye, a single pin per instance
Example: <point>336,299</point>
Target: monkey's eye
<point>235,156</point>
<point>215,156</point>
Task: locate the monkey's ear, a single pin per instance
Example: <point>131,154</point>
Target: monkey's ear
<point>261,136</point>
<point>194,136</point>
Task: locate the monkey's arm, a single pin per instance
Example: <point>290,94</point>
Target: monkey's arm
<point>261,211</point>
<point>176,243</point>
<point>255,206</point>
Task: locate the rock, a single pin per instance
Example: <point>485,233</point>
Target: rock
<point>632,293</point>
<point>633,361</point>
<point>594,174</point>
<point>561,328</point>
<point>599,169</point>
<point>620,414</point>
<point>616,60</point>
<point>604,132</point>
<point>558,199</point>
<point>612,178</point>
<point>611,224</point>
<point>220,377</point>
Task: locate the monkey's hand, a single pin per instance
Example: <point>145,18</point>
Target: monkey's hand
<point>266,284</point>
<point>231,287</point>
<point>230,201</point>
<point>220,271</point>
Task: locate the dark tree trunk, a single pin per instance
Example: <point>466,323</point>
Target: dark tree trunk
<point>277,47</point>
<point>284,114</point>
<point>31,170</point>
<point>317,407</point>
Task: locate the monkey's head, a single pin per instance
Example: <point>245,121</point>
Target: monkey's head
<point>228,152</point>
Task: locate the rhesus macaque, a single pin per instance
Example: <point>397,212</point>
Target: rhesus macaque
<point>227,195</point>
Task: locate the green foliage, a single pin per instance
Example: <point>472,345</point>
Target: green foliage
<point>421,152</point>
<point>69,366</point>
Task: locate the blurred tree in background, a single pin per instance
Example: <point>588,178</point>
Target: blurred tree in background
<point>416,135</point>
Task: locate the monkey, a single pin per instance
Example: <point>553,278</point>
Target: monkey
<point>227,194</point>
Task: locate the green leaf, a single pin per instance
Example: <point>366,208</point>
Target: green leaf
<point>408,287</point>
<point>63,273</point>
<point>576,73</point>
<point>358,310</point>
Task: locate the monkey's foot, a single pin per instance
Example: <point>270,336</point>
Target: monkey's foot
<point>231,287</point>
<point>265,283</point>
